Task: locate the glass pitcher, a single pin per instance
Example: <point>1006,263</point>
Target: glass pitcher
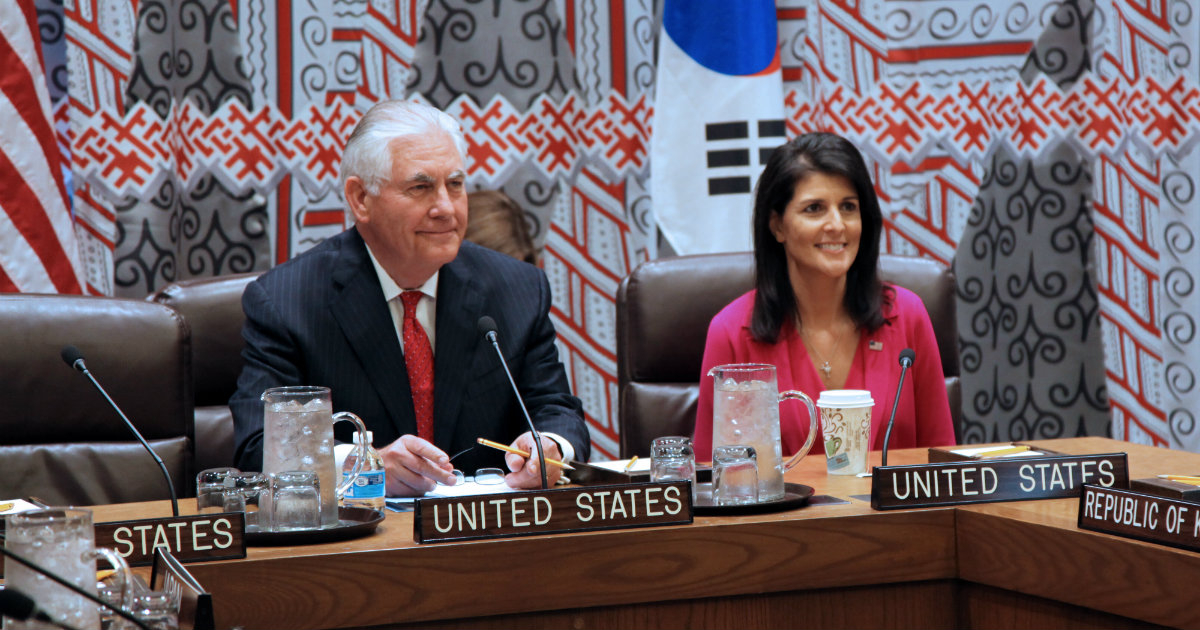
<point>298,435</point>
<point>62,541</point>
<point>746,412</point>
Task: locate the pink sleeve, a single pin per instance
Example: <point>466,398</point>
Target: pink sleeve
<point>935,425</point>
<point>718,350</point>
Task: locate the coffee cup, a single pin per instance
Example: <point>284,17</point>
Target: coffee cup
<point>846,427</point>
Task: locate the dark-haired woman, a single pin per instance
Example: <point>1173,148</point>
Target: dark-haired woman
<point>819,312</point>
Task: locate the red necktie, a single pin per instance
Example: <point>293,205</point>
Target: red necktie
<point>418,360</point>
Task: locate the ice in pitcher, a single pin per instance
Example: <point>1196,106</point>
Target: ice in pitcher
<point>747,413</point>
<point>306,437</point>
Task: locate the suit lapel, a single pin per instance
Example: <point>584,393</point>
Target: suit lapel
<point>459,306</point>
<point>363,315</point>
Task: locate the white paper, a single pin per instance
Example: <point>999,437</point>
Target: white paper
<point>984,450</point>
<point>467,488</point>
<point>15,506</point>
<point>619,465</point>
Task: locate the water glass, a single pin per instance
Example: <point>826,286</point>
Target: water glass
<point>735,475</point>
<point>295,501</point>
<point>159,610</point>
<point>62,541</point>
<point>250,493</point>
<point>115,588</point>
<point>210,489</point>
<point>672,459</point>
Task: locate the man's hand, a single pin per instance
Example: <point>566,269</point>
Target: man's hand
<point>414,466</point>
<point>526,473</point>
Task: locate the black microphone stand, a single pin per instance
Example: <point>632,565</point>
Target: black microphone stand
<point>488,326</point>
<point>906,361</point>
<point>73,358</point>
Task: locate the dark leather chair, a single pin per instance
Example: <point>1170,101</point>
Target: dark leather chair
<point>59,439</point>
<point>213,310</point>
<point>663,311</point>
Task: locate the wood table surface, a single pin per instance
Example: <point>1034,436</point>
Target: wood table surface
<point>842,565</point>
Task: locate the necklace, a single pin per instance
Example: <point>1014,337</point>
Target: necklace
<point>825,368</point>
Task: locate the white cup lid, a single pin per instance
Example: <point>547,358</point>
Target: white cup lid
<point>845,398</point>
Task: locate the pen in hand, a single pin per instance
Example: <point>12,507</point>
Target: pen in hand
<point>517,451</point>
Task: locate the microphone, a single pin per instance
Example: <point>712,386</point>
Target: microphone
<point>907,356</point>
<point>487,326</point>
<point>74,358</point>
<point>19,606</point>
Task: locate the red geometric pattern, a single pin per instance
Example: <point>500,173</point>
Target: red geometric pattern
<point>906,122</point>
<point>1128,277</point>
<point>555,136</point>
<point>1137,245</point>
<point>589,249</point>
<point>100,57</point>
<point>388,44</point>
<point>253,150</point>
<point>248,150</point>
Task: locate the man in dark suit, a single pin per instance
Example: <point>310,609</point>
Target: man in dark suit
<point>366,313</point>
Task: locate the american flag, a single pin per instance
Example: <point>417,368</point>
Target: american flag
<point>38,252</point>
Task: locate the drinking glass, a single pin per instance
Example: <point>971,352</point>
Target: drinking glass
<point>159,610</point>
<point>672,459</point>
<point>210,489</point>
<point>62,541</point>
<point>735,475</point>
<point>250,493</point>
<point>115,588</point>
<point>295,501</point>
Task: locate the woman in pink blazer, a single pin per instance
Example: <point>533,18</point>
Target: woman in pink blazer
<point>819,312</point>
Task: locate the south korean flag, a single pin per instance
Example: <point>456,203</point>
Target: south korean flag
<point>718,115</point>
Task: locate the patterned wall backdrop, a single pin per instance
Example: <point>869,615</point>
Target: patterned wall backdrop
<point>1045,148</point>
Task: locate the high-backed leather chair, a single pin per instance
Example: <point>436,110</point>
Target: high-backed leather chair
<point>59,439</point>
<point>213,310</point>
<point>663,311</point>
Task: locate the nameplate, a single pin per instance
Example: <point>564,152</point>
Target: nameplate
<point>195,603</point>
<point>214,536</point>
<point>1145,517</point>
<point>552,511</point>
<point>988,481</point>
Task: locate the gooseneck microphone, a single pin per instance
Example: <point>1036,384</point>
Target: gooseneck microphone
<point>907,356</point>
<point>487,326</point>
<point>74,358</point>
<point>19,606</point>
<point>18,603</point>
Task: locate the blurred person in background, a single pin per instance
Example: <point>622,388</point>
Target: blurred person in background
<point>497,222</point>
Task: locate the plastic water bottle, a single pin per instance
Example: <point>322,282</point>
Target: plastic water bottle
<point>369,489</point>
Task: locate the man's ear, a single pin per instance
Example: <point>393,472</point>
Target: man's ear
<point>355,191</point>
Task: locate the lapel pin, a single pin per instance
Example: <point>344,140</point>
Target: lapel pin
<point>875,345</point>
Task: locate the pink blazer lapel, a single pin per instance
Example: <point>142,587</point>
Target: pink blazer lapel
<point>876,358</point>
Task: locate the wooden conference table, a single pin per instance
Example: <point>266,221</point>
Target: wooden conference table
<point>1000,565</point>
